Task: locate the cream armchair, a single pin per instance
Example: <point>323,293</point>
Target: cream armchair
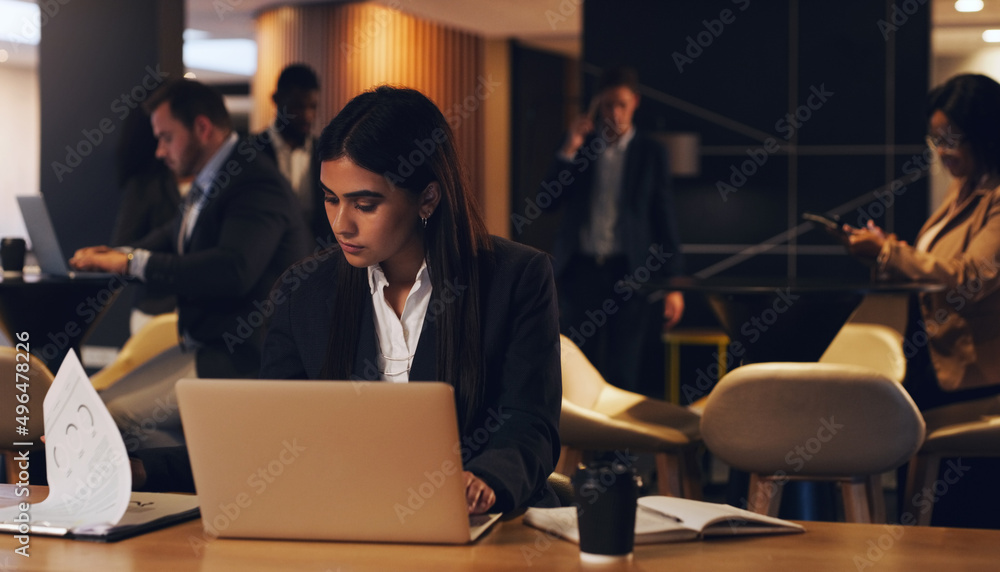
<point>812,421</point>
<point>968,429</point>
<point>157,336</point>
<point>597,416</point>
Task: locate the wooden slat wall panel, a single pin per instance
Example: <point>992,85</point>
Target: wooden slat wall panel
<point>359,45</point>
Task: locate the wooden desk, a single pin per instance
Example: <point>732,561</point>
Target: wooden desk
<point>513,546</point>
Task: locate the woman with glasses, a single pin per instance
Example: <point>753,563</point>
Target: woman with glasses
<point>953,335</point>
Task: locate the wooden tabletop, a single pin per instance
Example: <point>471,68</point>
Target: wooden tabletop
<point>513,546</point>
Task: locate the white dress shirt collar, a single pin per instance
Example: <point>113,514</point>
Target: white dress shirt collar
<point>398,336</point>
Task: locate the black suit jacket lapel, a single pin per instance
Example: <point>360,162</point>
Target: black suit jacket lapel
<point>632,173</point>
<point>424,367</point>
<point>366,358</point>
<point>211,199</point>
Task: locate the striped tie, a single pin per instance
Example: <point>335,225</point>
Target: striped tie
<point>190,202</point>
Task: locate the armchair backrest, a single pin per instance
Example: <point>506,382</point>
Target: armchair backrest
<point>158,335</point>
<point>811,419</point>
<point>582,383</point>
<point>874,346</point>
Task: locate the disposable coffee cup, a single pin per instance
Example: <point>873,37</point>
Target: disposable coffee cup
<point>605,493</point>
<point>12,255</point>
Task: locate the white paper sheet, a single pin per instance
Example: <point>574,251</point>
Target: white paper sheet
<point>90,480</point>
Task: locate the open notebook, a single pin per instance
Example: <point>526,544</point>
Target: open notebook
<point>327,460</point>
<point>670,519</point>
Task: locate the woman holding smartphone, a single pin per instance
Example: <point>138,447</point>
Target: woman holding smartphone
<point>955,332</point>
<point>417,290</point>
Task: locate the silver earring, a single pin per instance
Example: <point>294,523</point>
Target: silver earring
<point>425,221</point>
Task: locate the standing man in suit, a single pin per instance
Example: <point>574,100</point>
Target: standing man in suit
<point>238,229</point>
<point>617,232</point>
<point>289,142</point>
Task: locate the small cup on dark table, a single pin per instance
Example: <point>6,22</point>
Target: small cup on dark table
<point>605,494</point>
<point>12,255</point>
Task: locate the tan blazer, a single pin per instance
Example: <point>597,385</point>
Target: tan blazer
<point>963,320</point>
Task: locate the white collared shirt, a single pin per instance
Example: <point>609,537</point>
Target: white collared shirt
<point>398,336</point>
<point>294,165</point>
<point>601,237</point>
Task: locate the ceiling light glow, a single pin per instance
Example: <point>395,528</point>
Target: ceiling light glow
<point>20,22</point>
<point>991,36</point>
<point>969,5</point>
<point>236,56</point>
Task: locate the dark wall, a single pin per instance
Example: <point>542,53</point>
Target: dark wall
<point>545,96</point>
<point>98,60</point>
<point>732,71</point>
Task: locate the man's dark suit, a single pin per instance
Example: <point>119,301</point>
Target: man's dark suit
<point>647,233</point>
<point>316,220</point>
<point>247,234</point>
<point>513,444</point>
<point>646,212</point>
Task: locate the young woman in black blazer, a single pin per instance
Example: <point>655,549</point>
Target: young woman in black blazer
<point>397,198</point>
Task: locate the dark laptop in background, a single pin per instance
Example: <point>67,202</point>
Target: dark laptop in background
<point>44,242</point>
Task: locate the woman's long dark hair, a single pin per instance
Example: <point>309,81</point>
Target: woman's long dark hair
<point>402,135</point>
<point>972,103</point>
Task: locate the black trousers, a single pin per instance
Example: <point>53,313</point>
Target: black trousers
<point>603,312</point>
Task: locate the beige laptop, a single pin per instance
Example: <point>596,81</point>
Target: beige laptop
<point>327,460</point>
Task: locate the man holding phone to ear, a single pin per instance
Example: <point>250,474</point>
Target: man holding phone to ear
<point>617,232</point>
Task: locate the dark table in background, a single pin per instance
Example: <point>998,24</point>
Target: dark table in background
<point>782,319</point>
<point>57,312</point>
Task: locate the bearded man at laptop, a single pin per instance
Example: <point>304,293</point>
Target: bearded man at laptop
<point>238,229</point>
